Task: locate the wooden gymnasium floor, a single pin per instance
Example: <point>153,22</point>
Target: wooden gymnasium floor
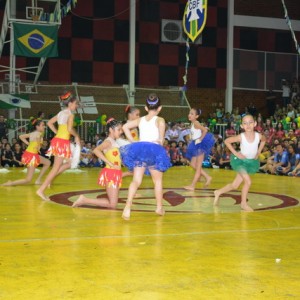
<point>49,250</point>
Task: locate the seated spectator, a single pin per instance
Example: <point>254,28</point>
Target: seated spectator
<point>280,159</point>
<point>172,133</point>
<point>95,162</point>
<point>265,154</point>
<point>290,135</point>
<point>259,125</point>
<point>216,154</point>
<point>225,159</point>
<point>294,126</point>
<point>174,154</point>
<point>293,160</point>
<point>280,133</point>
<point>271,131</point>
<point>182,154</point>
<point>44,148</point>
<point>230,131</point>
<point>184,133</point>
<point>7,156</point>
<point>85,154</point>
<point>17,155</point>
<point>218,137</point>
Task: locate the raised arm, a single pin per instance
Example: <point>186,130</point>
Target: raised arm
<point>130,125</point>
<point>24,138</point>
<point>51,122</point>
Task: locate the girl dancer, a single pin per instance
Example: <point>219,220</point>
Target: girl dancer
<point>147,156</point>
<point>132,113</point>
<point>30,157</point>
<point>201,144</point>
<point>111,176</point>
<point>60,144</point>
<point>244,162</point>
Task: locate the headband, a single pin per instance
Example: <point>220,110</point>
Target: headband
<point>152,101</point>
<point>65,96</point>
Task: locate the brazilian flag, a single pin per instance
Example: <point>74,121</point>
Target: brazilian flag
<point>33,40</point>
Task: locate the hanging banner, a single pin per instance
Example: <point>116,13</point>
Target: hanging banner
<point>194,18</point>
<point>34,40</point>
<point>8,101</point>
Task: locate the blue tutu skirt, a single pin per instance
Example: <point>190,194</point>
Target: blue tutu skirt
<point>145,154</point>
<point>204,147</point>
<point>246,165</point>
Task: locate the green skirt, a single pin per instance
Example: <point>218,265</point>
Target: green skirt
<point>246,165</point>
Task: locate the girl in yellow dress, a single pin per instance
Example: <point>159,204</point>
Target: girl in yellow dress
<point>60,145</point>
<point>31,157</point>
<point>111,176</point>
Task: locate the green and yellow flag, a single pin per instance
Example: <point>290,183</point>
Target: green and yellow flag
<point>33,40</point>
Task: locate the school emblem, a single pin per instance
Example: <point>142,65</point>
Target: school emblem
<point>194,18</point>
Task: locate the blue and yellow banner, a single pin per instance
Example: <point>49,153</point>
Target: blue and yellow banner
<point>33,40</point>
<point>194,18</point>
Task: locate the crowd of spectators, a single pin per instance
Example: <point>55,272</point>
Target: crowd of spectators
<point>281,154</point>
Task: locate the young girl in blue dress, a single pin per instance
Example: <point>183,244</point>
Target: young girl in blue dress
<point>147,155</point>
<point>244,162</point>
<point>201,144</point>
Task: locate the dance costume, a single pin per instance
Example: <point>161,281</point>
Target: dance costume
<point>60,144</point>
<point>30,157</point>
<point>146,153</point>
<point>197,147</point>
<point>248,165</point>
<point>108,176</point>
<point>135,134</point>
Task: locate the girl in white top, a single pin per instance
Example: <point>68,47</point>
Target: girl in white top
<point>200,145</point>
<point>148,155</point>
<point>244,162</point>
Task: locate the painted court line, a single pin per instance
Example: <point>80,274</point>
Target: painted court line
<point>147,235</point>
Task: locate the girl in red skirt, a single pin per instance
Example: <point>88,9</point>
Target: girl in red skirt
<point>111,176</point>
<point>60,145</point>
<point>31,157</point>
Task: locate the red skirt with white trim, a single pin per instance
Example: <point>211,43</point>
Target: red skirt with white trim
<point>30,159</point>
<point>59,147</point>
<point>110,178</point>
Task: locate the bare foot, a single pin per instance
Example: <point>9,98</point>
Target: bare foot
<point>126,213</point>
<point>42,195</point>
<point>207,182</point>
<point>8,183</point>
<point>246,207</point>
<point>80,201</point>
<point>160,211</point>
<point>189,188</point>
<point>217,195</point>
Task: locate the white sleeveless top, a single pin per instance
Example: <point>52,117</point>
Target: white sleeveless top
<point>195,133</point>
<point>249,150</point>
<point>62,116</point>
<point>148,130</point>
